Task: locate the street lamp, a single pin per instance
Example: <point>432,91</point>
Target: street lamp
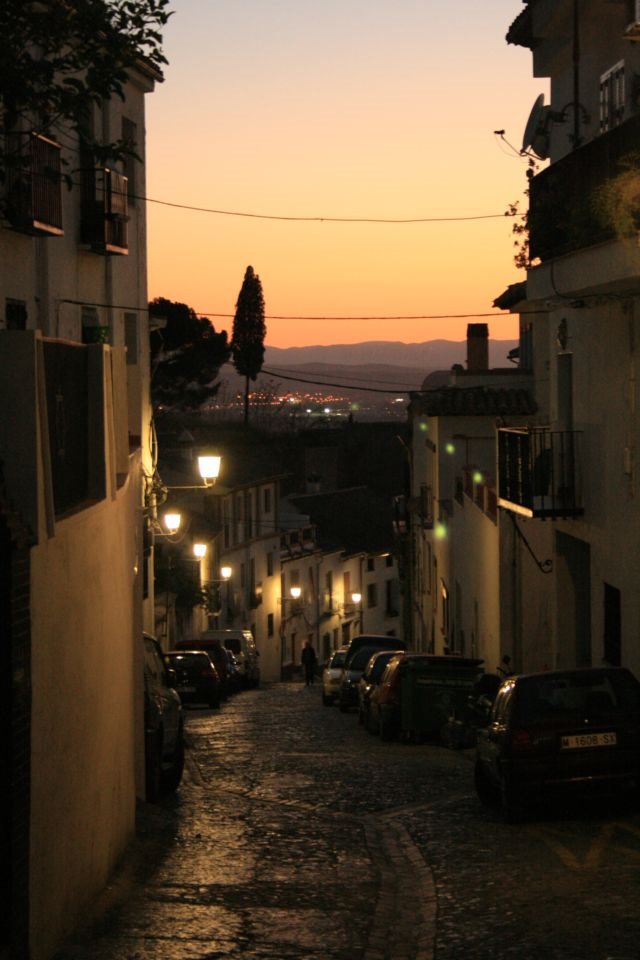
<point>209,467</point>
<point>199,550</point>
<point>172,521</point>
<point>356,600</point>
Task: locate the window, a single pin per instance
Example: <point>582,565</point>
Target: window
<point>612,97</point>
<point>266,500</point>
<point>15,314</point>
<point>371,564</point>
<point>389,560</point>
<point>372,594</point>
<point>270,625</point>
<point>270,563</point>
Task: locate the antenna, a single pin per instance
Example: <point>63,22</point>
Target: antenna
<point>536,132</point>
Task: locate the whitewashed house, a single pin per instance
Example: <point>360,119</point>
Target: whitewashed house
<point>574,478</point>
<point>74,552</point>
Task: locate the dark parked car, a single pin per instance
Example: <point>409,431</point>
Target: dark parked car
<point>197,679</point>
<point>351,673</point>
<point>163,728</point>
<point>374,641</point>
<point>568,731</point>
<point>370,679</point>
<point>383,715</point>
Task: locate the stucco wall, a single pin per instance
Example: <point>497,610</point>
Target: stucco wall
<point>85,633</point>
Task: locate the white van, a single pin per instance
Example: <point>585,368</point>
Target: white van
<point>243,647</point>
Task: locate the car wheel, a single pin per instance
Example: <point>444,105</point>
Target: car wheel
<point>488,794</point>
<point>173,776</point>
<point>153,767</point>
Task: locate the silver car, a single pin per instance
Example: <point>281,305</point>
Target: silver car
<point>331,675</point>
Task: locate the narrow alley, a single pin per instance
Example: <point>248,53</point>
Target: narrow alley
<point>296,834</point>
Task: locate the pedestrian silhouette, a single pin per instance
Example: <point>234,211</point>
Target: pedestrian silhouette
<point>309,661</point>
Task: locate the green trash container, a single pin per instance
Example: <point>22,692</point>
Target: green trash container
<point>432,689</point>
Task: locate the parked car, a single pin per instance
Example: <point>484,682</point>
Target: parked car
<point>234,677</point>
<point>419,692</point>
<point>197,679</point>
<point>565,731</point>
<point>163,725</point>
<point>217,654</point>
<point>351,673</point>
<point>243,647</point>
<point>370,679</point>
<point>331,675</point>
<point>383,715</point>
<point>374,641</point>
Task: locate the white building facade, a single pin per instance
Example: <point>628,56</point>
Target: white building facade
<point>75,555</point>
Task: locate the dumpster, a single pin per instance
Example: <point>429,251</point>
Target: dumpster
<point>433,688</point>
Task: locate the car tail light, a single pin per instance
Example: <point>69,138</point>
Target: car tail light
<point>520,740</point>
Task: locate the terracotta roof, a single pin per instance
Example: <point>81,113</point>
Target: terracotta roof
<point>474,402</point>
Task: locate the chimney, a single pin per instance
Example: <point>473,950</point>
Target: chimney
<point>477,347</point>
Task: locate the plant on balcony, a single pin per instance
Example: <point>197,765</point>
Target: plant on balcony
<point>520,229</point>
<point>617,201</point>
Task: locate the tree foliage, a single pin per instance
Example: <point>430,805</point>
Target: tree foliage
<point>186,356</point>
<point>58,58</point>
<point>249,331</point>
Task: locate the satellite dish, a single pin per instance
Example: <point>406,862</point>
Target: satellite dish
<point>536,132</point>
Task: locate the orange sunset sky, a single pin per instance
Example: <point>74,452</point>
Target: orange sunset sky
<point>339,109</point>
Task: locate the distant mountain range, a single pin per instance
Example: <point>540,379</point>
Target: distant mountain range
<point>380,364</point>
<point>427,356</point>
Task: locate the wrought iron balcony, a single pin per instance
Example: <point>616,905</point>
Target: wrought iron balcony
<point>105,211</point>
<point>563,199</point>
<point>539,472</point>
<point>34,187</point>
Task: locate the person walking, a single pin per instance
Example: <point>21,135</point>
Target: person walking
<point>309,661</point>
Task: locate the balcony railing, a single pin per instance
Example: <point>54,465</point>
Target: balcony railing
<point>539,472</point>
<point>563,199</point>
<point>34,187</point>
<point>105,211</point>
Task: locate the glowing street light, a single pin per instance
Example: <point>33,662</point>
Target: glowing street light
<point>199,550</point>
<point>209,467</point>
<point>295,593</point>
<point>172,521</point>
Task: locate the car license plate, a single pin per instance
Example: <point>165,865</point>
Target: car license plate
<point>579,740</point>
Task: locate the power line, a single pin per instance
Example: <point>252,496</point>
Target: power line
<point>423,316</point>
<point>340,386</point>
<point>268,216</point>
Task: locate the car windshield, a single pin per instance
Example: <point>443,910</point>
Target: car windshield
<point>337,660</point>
<point>361,658</point>
<point>587,694</point>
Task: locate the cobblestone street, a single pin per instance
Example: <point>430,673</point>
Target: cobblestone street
<point>297,835</point>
